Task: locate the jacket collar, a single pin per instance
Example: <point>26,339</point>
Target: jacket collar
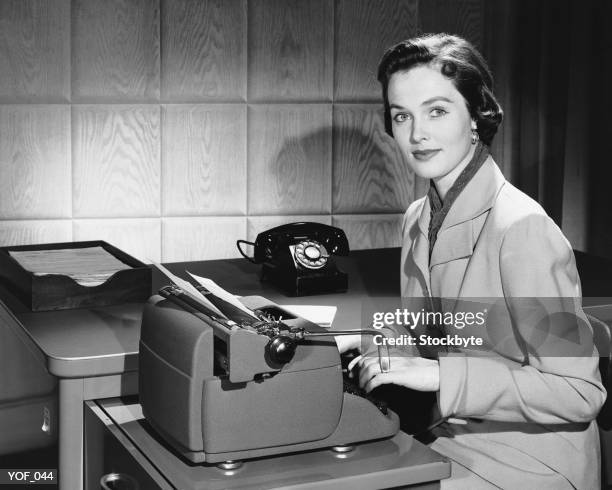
<point>457,236</point>
<point>477,197</point>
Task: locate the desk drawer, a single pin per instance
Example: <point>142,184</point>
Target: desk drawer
<point>109,453</point>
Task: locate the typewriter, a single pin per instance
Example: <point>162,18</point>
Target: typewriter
<point>223,389</point>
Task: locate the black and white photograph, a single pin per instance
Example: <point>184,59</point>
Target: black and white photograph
<point>305,244</point>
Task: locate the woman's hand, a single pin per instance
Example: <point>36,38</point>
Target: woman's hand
<point>416,373</point>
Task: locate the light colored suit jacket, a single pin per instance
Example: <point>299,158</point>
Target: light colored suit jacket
<point>530,418</point>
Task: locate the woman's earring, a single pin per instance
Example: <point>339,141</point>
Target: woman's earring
<point>475,136</point>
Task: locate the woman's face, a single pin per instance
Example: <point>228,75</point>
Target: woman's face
<point>431,124</point>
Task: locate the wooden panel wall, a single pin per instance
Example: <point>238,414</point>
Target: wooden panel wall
<point>364,30</point>
<point>289,159</point>
<point>203,50</point>
<point>115,50</point>
<point>290,50</point>
<point>34,51</point>
<point>171,128</point>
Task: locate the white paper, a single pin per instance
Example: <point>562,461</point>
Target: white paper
<point>321,315</point>
<point>188,288</point>
<point>219,292</point>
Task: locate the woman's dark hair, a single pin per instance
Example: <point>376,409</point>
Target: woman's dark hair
<point>460,62</point>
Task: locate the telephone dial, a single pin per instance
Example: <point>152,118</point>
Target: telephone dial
<point>298,257</point>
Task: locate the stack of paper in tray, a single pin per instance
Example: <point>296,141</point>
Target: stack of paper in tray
<point>90,266</point>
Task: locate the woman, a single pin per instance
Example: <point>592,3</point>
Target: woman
<point>519,418</point>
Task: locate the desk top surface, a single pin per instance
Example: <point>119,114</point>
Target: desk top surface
<point>104,340</point>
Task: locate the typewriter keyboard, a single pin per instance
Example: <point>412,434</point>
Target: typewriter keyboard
<point>352,388</point>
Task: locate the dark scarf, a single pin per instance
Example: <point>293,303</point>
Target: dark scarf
<point>440,209</point>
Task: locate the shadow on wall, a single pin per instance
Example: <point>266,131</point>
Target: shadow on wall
<point>356,175</point>
<point>340,170</point>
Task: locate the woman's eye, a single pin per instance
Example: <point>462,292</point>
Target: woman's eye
<point>437,112</point>
<point>400,117</point>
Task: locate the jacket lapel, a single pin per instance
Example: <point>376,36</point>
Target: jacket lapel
<point>420,245</point>
<point>461,227</point>
<point>455,243</point>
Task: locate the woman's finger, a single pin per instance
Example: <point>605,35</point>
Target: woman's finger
<point>378,380</point>
<point>369,369</point>
<point>354,362</point>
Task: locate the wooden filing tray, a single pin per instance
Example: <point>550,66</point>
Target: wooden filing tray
<point>58,292</point>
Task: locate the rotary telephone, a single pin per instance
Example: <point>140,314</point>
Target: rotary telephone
<point>298,257</point>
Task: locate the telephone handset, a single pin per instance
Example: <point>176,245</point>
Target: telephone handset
<point>299,257</point>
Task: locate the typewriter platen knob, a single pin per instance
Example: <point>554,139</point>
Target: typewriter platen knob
<point>281,349</point>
